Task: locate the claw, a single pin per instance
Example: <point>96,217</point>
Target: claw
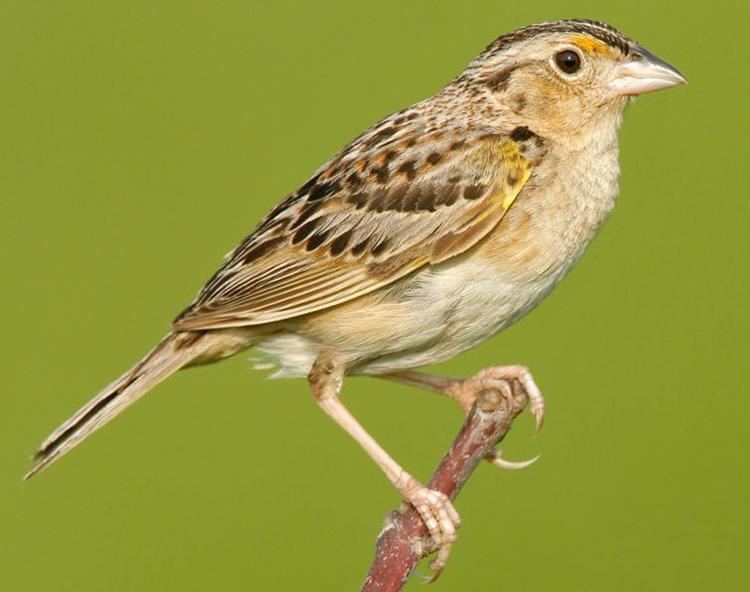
<point>437,565</point>
<point>536,406</point>
<point>496,459</point>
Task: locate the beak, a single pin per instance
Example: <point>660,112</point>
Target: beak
<point>644,73</point>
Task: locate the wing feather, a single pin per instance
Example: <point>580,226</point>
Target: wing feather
<point>363,221</point>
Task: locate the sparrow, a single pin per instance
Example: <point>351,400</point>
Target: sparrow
<point>432,231</point>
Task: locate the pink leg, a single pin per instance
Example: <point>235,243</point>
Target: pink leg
<point>433,506</point>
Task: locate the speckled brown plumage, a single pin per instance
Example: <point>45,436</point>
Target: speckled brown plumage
<point>398,189</point>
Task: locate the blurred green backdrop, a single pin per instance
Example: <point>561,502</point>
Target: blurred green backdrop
<point>141,140</point>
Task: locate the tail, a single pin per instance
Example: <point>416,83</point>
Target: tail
<point>173,352</point>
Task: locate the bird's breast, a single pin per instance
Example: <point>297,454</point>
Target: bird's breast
<point>559,211</point>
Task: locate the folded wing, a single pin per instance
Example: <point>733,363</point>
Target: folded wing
<point>366,219</point>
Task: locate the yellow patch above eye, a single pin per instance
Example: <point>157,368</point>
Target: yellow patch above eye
<point>588,44</point>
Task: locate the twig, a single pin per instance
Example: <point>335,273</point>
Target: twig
<point>403,540</point>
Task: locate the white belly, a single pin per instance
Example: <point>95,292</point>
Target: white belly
<point>447,310</point>
<point>474,304</point>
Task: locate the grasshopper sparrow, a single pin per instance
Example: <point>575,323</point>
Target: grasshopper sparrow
<point>432,231</point>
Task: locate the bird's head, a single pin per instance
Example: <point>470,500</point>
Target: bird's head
<point>563,77</point>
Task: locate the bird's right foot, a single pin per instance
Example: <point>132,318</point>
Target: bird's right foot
<point>440,518</point>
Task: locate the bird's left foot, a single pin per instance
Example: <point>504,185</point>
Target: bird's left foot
<point>514,383</point>
<point>502,379</point>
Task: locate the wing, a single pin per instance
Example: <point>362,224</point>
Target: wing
<point>389,204</point>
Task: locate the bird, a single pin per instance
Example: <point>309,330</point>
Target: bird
<point>432,231</point>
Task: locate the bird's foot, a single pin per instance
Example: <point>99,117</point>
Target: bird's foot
<point>440,518</point>
<point>502,379</point>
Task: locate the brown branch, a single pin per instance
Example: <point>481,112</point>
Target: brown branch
<point>404,539</point>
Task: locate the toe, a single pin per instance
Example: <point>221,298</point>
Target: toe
<point>452,513</point>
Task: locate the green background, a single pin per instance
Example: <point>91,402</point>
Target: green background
<point>142,139</point>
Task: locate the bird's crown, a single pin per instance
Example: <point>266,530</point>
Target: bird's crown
<point>603,32</point>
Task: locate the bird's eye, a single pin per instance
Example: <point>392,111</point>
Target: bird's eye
<point>568,61</point>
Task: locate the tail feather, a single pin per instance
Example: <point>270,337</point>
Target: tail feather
<point>172,353</point>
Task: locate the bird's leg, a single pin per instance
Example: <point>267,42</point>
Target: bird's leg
<point>434,507</point>
<point>465,391</point>
<point>438,384</point>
